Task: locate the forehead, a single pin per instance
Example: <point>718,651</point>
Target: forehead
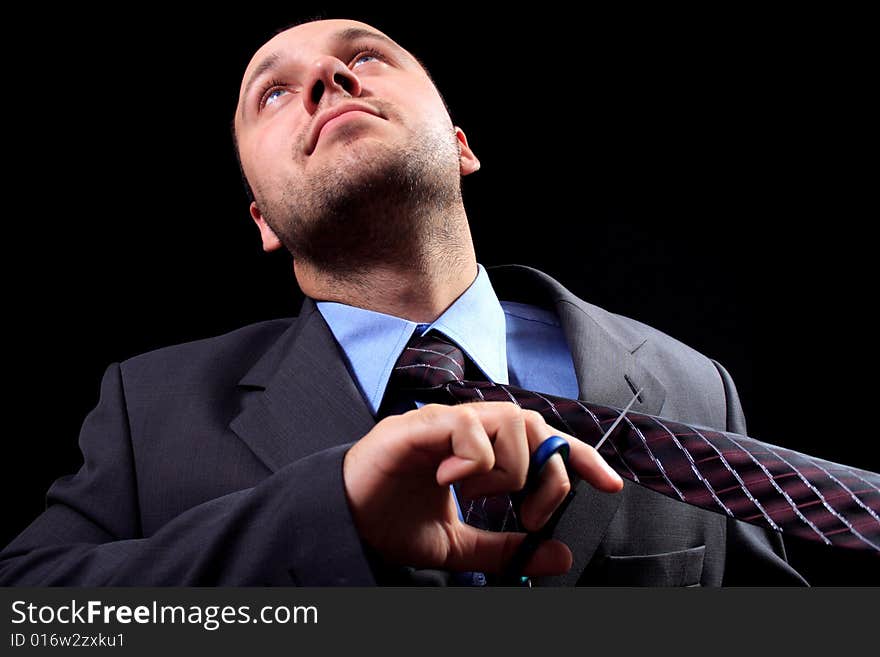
<point>307,38</point>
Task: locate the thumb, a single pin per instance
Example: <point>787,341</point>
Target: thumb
<point>490,552</point>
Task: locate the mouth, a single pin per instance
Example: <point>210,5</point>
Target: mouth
<point>334,116</point>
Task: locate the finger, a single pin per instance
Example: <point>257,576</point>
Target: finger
<point>585,461</point>
<point>553,482</point>
<point>550,490</point>
<point>490,552</point>
<point>591,467</point>
<point>450,439</point>
<point>505,426</point>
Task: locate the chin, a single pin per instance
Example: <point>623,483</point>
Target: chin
<point>355,159</point>
<point>346,139</point>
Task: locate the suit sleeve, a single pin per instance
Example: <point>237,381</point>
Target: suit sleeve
<point>283,532</point>
<point>755,556</point>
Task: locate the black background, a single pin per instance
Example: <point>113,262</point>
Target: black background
<point>702,172</point>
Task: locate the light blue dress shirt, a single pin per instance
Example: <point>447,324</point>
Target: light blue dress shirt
<point>513,343</point>
<point>510,342</point>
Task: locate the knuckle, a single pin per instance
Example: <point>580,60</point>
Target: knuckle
<point>429,413</point>
<point>467,415</point>
<point>533,417</point>
<point>509,415</point>
<point>561,493</point>
<point>388,423</point>
<point>454,543</point>
<point>509,411</point>
<point>564,485</point>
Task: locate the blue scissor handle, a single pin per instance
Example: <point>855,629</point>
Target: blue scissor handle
<point>539,459</point>
<point>546,450</point>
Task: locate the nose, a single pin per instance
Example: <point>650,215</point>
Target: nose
<point>328,75</point>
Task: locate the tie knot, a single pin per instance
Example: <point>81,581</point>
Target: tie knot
<point>428,362</point>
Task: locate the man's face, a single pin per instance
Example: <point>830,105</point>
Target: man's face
<point>305,160</point>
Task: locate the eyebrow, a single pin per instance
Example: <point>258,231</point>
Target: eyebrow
<point>267,64</point>
<point>342,36</point>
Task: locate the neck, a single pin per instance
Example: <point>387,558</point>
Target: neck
<point>419,289</point>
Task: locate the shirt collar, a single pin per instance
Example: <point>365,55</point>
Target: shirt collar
<point>373,341</point>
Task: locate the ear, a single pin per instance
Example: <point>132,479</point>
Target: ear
<point>467,160</point>
<point>270,239</point>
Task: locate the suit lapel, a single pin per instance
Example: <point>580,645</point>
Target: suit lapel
<point>607,371</point>
<point>605,364</point>
<point>308,400</point>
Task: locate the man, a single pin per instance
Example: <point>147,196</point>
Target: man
<point>273,455</point>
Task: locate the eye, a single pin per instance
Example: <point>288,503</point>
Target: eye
<point>272,92</point>
<point>368,53</point>
<point>273,95</point>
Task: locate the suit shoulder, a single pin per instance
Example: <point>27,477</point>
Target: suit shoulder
<point>646,335</point>
<point>224,357</point>
<point>695,389</point>
<point>638,335</point>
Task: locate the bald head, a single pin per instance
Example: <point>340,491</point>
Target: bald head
<point>339,129</point>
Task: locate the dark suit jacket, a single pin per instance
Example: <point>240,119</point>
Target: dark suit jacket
<point>219,462</point>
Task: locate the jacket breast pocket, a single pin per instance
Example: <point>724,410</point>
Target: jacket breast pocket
<point>678,568</point>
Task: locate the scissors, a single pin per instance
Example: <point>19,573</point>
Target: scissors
<point>539,459</point>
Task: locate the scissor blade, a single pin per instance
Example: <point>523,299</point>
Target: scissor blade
<point>617,421</point>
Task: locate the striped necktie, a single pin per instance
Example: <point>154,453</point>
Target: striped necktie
<point>723,472</point>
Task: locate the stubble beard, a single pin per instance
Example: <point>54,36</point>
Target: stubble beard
<point>375,206</point>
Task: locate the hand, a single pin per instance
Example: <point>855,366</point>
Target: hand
<point>397,481</point>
